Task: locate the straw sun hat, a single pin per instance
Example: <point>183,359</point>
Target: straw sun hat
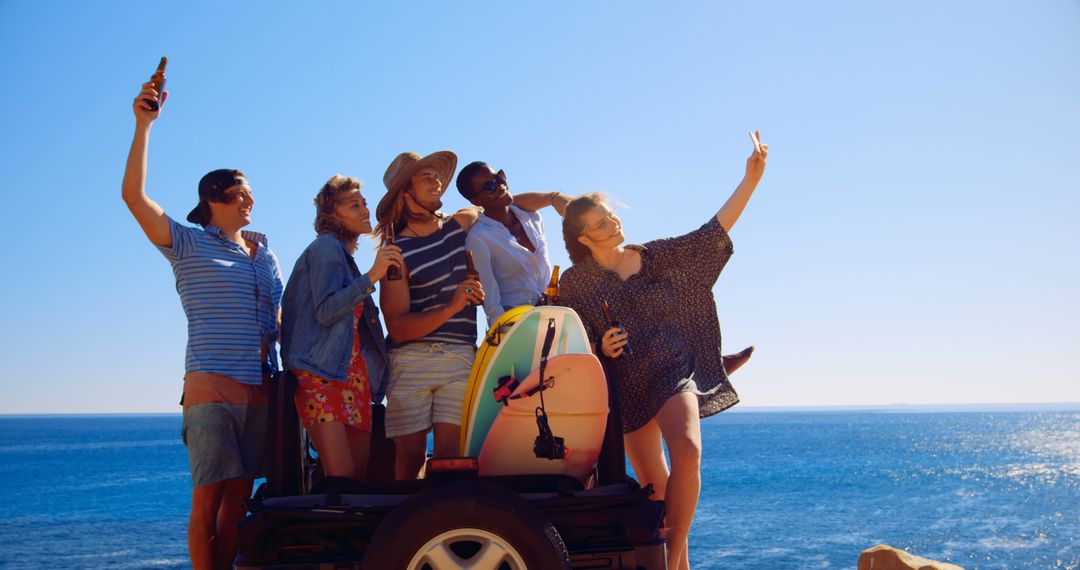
<point>401,170</point>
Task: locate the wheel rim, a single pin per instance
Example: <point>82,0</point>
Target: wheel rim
<point>470,548</point>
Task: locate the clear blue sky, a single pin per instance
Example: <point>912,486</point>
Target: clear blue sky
<point>913,240</point>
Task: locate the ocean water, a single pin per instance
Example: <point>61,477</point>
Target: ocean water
<point>780,490</point>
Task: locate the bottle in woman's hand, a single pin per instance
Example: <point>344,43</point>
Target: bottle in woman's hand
<point>615,324</point>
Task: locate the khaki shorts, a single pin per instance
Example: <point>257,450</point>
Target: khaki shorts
<point>427,386</point>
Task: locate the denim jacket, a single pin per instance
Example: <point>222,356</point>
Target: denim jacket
<point>317,316</point>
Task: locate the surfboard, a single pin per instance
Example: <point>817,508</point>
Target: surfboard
<point>576,401</point>
<point>488,346</point>
<point>513,352</point>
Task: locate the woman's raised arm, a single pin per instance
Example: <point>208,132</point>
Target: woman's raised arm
<point>755,168</point>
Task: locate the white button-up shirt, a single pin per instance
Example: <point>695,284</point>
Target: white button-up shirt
<point>511,274</point>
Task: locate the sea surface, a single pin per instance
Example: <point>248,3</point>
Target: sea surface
<point>780,489</point>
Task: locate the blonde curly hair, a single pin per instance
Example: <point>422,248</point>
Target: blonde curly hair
<point>326,202</point>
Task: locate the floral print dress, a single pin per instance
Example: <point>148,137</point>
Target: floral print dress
<point>321,401</point>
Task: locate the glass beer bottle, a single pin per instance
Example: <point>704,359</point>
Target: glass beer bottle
<point>551,292</point>
<point>615,324</point>
<point>393,273</point>
<point>470,268</point>
<point>158,79</point>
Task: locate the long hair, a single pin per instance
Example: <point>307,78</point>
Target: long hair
<point>572,226</point>
<point>326,202</point>
<point>393,217</point>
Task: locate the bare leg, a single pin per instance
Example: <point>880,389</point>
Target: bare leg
<point>645,450</point>
<point>333,447</point>
<point>447,440</point>
<point>230,512</point>
<point>411,453</point>
<point>360,445</point>
<point>343,450</point>
<point>205,502</point>
<point>680,424</point>
<point>733,362</point>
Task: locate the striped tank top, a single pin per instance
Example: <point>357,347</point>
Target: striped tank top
<point>436,265</point>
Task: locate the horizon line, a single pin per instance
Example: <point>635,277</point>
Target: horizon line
<point>969,406</point>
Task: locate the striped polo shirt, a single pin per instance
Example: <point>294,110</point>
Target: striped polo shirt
<point>436,265</point>
<point>231,301</point>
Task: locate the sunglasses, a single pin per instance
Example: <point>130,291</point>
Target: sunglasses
<point>605,223</point>
<point>493,186</point>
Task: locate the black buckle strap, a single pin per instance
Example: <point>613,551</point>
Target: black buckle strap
<point>546,445</point>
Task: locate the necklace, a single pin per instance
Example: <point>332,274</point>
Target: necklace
<point>409,229</point>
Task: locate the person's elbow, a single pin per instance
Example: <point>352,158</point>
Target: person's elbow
<point>397,326</point>
<point>132,195</point>
<point>397,332</point>
<point>133,202</point>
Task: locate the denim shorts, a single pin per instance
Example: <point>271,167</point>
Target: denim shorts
<point>225,441</point>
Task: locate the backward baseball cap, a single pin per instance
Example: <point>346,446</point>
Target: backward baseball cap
<point>212,188</point>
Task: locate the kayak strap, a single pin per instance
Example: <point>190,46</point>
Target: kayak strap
<point>546,445</point>
<point>494,337</point>
<point>504,390</point>
<point>549,383</point>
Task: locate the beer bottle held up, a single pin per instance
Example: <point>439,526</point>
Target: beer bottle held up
<point>393,273</point>
<point>615,324</point>
<point>551,292</point>
<point>470,268</point>
<point>158,79</point>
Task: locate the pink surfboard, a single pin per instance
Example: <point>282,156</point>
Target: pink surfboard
<point>576,401</point>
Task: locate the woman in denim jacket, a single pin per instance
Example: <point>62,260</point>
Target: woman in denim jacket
<point>332,338</point>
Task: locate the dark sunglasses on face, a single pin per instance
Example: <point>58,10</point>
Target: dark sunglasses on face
<point>497,183</point>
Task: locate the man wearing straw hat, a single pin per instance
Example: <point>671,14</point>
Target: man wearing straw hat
<point>430,312</point>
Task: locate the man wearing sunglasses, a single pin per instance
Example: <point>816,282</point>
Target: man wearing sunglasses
<point>507,242</point>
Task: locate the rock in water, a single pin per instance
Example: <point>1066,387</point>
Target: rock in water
<point>884,557</point>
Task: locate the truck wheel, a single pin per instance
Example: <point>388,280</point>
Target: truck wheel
<point>466,524</point>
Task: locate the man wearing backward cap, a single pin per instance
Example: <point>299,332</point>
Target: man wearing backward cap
<point>230,287</point>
